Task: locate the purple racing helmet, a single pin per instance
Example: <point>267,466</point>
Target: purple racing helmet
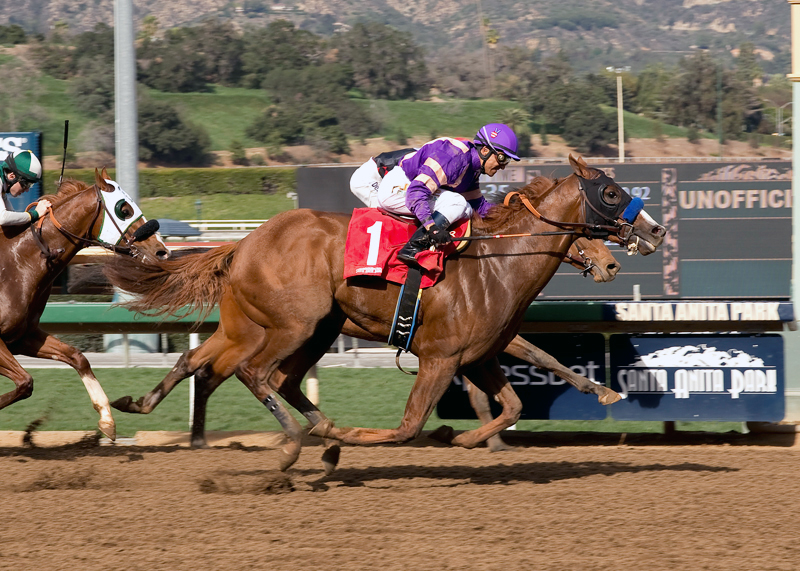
<point>498,137</point>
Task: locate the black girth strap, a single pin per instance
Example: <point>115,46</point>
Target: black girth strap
<point>405,316</point>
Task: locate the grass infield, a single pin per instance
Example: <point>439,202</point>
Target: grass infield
<point>351,397</point>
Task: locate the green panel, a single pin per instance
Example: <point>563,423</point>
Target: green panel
<point>107,313</point>
<point>565,311</point>
<point>721,279</point>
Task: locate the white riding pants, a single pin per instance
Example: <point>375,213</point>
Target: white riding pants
<point>392,197</point>
<point>365,182</point>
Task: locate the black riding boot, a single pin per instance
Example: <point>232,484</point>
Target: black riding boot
<point>420,241</point>
<point>416,244</point>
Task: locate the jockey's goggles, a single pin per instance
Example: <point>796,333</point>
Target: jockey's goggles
<point>502,158</point>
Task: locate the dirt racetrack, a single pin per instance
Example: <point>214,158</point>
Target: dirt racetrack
<point>648,503</point>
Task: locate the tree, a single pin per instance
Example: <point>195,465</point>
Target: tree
<point>13,34</point>
<point>650,84</point>
<point>747,68</point>
<point>314,124</point>
<point>278,46</point>
<point>386,63</point>
<point>238,154</point>
<point>173,65</point>
<point>690,97</point>
<point>519,120</point>
<point>149,28</point>
<point>324,85</point>
<point>164,136</point>
<point>517,73</point>
<point>588,130</point>
<point>18,91</point>
<point>93,89</point>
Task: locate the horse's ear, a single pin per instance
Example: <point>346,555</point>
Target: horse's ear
<point>100,180</point>
<point>104,174</point>
<point>579,166</point>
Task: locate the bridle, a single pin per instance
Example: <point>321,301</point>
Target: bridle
<point>127,248</point>
<point>584,263</point>
<point>599,225</point>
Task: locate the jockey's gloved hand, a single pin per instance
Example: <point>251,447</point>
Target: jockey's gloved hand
<point>438,236</point>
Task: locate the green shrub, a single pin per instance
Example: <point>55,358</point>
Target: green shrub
<point>238,154</point>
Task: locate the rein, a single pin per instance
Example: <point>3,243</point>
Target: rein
<point>579,228</point>
<point>36,230</point>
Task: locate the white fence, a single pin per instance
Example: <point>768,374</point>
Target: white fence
<point>223,229</point>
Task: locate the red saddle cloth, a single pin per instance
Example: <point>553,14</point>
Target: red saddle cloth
<point>373,240</point>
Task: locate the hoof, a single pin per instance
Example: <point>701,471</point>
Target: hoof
<point>462,440</point>
<point>108,428</point>
<point>321,429</point>
<point>122,403</point>
<point>330,459</point>
<point>126,404</point>
<point>443,434</point>
<point>608,396</point>
<point>289,455</point>
<point>496,444</point>
<point>199,443</point>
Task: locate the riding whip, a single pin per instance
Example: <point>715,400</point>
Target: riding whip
<point>64,157</point>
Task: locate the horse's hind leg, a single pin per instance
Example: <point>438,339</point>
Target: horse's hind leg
<point>524,350</point>
<point>188,364</point>
<point>480,403</point>
<point>294,432</point>
<point>45,346</point>
<point>262,374</point>
<point>10,368</point>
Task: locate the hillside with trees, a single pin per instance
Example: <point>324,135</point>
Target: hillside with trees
<point>593,33</point>
<point>331,91</point>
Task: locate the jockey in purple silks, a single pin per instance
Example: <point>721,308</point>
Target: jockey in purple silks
<point>438,184</point>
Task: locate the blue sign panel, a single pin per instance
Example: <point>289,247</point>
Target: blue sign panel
<point>698,377</point>
<point>11,142</point>
<point>544,395</point>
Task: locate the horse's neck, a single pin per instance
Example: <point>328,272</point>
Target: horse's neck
<point>527,264</point>
<point>76,221</point>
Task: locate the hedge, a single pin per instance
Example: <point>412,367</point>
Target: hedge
<point>191,182</point>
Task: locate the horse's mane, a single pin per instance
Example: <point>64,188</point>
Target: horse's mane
<point>69,188</point>
<point>501,215</point>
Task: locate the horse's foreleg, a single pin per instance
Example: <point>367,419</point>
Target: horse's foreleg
<point>45,346</point>
<point>480,403</point>
<point>524,350</point>
<point>23,382</point>
<point>433,378</point>
<point>490,378</point>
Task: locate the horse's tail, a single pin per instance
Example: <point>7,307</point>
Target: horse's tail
<point>176,286</point>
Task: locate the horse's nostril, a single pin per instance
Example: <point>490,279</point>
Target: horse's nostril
<point>659,230</point>
<point>613,267</point>
<point>162,254</point>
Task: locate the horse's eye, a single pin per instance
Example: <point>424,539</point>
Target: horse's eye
<point>123,210</point>
<point>611,195</point>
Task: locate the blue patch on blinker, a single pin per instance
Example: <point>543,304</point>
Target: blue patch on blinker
<point>632,211</point>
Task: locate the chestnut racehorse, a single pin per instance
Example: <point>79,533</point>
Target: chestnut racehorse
<point>237,338</point>
<point>32,257</point>
<point>286,278</point>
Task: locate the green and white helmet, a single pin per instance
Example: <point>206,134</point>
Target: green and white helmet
<point>24,164</point>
